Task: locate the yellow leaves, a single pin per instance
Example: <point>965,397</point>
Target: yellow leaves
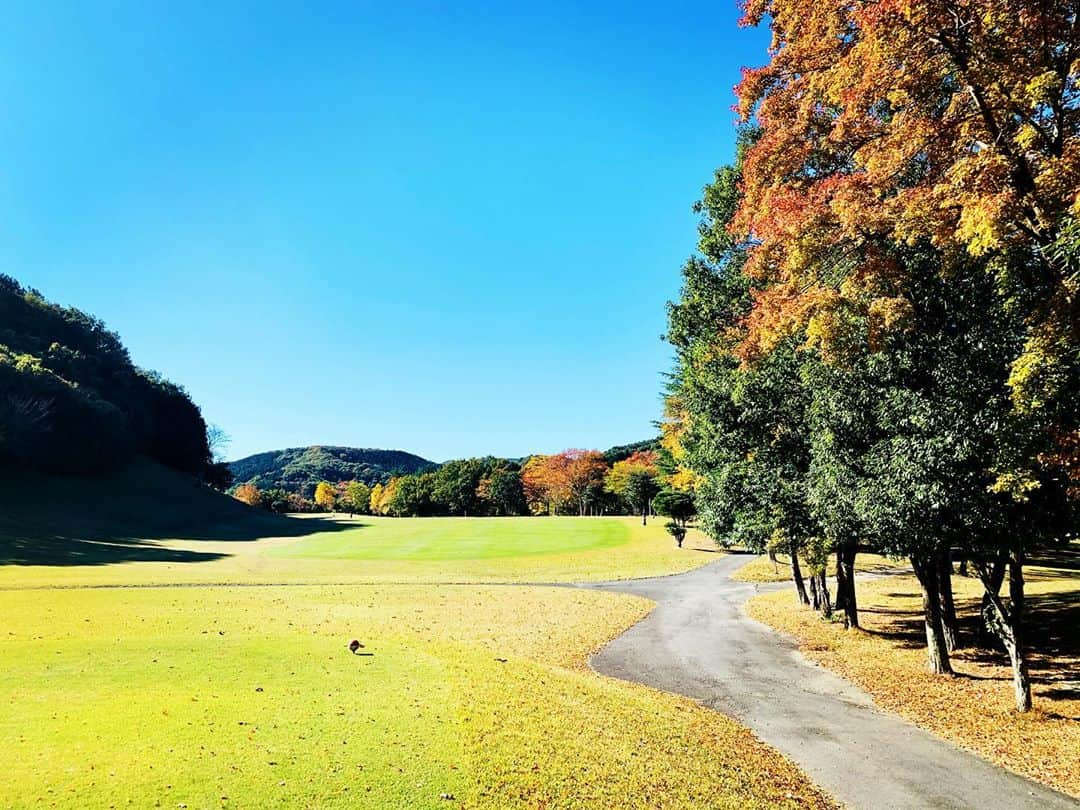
<point>1043,88</point>
<point>886,315</point>
<point>1037,374</point>
<point>1017,484</point>
<point>683,480</point>
<point>975,712</point>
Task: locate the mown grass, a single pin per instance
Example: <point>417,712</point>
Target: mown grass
<point>165,647</point>
<point>762,569</point>
<point>247,696</point>
<point>148,525</point>
<point>887,658</point>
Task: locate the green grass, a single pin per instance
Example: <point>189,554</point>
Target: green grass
<point>147,525</point>
<point>426,539</point>
<point>231,684</point>
<point>140,696</point>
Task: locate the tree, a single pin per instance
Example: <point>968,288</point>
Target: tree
<point>249,494</point>
<point>675,504</point>
<point>555,482</point>
<point>502,491</point>
<point>386,495</point>
<point>677,531</point>
<point>635,479</point>
<point>640,488</point>
<point>357,497</point>
<point>325,497</point>
<point>412,495</point>
<point>954,122</point>
<point>582,469</point>
<point>456,483</point>
<point>375,501</point>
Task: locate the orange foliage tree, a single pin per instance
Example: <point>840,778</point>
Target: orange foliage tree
<point>955,121</point>
<point>553,482</point>
<point>249,494</point>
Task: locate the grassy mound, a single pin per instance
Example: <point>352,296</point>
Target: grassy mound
<point>119,517</point>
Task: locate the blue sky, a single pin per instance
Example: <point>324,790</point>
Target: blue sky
<point>449,229</point>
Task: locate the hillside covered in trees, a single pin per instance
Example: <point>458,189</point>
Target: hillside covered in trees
<point>299,469</point>
<point>72,401</point>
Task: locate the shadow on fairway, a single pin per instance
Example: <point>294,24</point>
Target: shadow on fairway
<point>126,515</point>
<point>104,546</point>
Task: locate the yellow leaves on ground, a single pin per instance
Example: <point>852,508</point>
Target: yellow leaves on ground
<point>763,569</point>
<point>974,710</point>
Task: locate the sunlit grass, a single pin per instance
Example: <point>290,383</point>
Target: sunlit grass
<point>762,569</point>
<point>185,696</point>
<point>366,549</point>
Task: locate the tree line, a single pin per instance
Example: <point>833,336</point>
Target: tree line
<point>573,482</point>
<point>878,343</point>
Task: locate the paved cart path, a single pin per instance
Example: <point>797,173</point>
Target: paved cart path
<point>698,642</point>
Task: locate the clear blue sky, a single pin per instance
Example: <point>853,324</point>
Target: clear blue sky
<point>446,229</point>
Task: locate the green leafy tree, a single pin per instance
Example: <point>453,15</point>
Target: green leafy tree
<point>677,505</point>
<point>641,486</point>
<point>357,497</point>
<point>456,485</point>
<point>502,493</point>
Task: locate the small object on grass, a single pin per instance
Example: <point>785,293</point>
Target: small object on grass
<point>354,645</point>
<point>501,660</point>
<point>258,688</point>
<point>447,796</point>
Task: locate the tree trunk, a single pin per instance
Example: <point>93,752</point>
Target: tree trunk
<point>841,590</point>
<point>796,575</point>
<point>644,516</point>
<point>992,581</point>
<point>815,596</point>
<point>823,590</point>
<point>936,649</point>
<point>943,563</point>
<point>845,560</point>
<point>1007,624</point>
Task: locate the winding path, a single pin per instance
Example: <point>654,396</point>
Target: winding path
<point>698,642</point>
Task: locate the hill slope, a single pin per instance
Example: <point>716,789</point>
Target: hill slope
<point>299,469</point>
<point>72,401</point>
<point>116,517</point>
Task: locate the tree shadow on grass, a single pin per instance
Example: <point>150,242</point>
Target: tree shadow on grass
<point>1052,628</point>
<point>59,551</point>
<point>97,544</point>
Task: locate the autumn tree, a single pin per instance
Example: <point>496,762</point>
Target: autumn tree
<point>943,126</point>
<point>892,122</point>
<point>562,479</point>
<point>356,498</point>
<point>325,496</point>
<point>635,479</point>
<point>249,494</point>
<point>375,501</point>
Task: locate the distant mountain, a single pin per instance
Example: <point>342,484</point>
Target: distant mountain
<point>624,451</point>
<point>299,469</point>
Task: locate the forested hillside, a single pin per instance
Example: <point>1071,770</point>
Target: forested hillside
<point>300,469</point>
<point>72,401</point>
